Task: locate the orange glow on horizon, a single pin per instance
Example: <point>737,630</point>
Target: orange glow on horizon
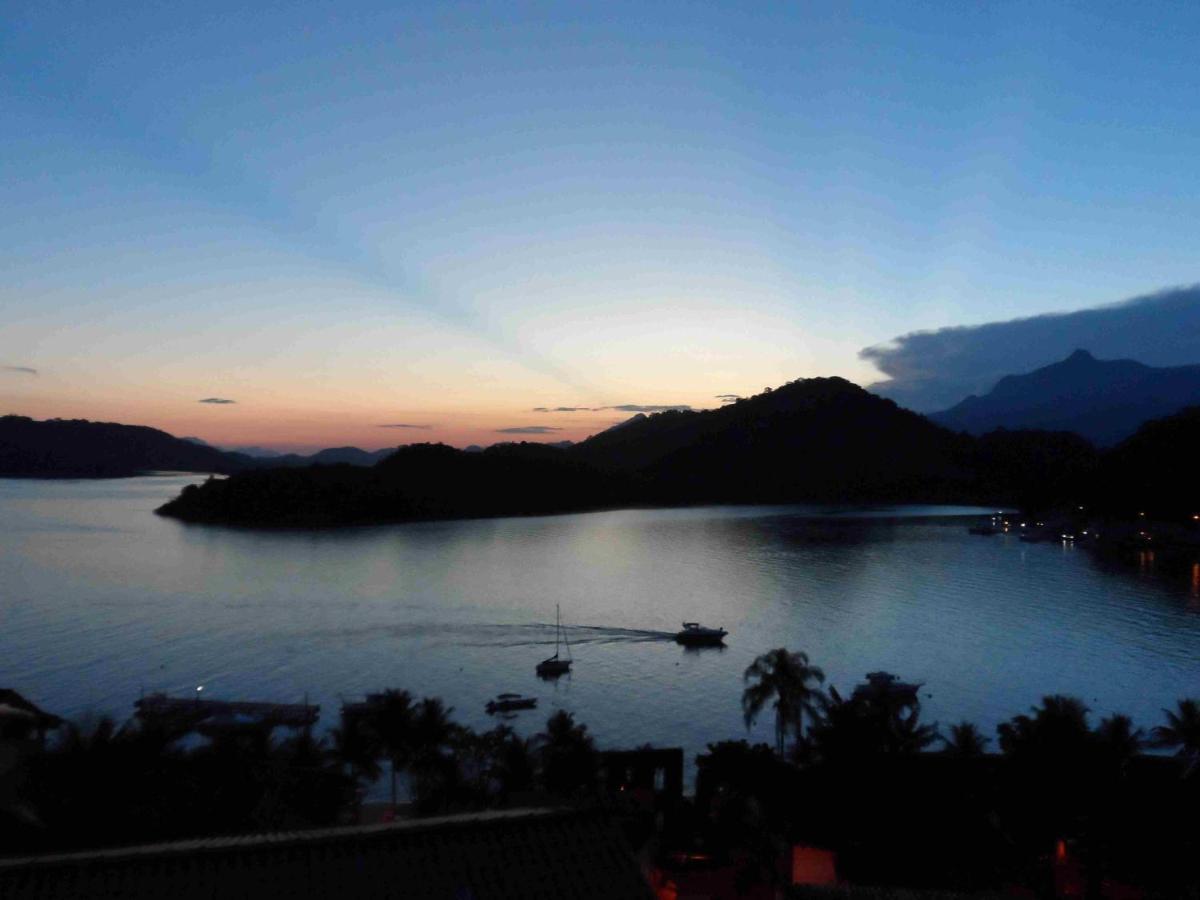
<point>244,424</point>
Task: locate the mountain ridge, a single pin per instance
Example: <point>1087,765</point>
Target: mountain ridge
<point>1105,401</point>
<point>84,449</point>
<point>821,439</point>
<point>81,448</point>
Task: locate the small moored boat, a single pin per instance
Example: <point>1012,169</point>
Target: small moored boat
<point>509,703</point>
<point>696,635</point>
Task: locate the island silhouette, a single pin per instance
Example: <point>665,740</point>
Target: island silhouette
<point>815,440</point>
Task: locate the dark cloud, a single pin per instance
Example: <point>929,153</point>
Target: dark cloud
<point>219,401</point>
<point>563,409</point>
<point>528,429</point>
<point>19,370</point>
<point>729,398</point>
<point>933,370</point>
<point>402,425</point>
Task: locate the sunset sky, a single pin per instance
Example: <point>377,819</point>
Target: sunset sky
<point>378,223</point>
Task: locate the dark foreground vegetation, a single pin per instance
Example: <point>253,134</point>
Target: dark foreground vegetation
<point>816,440</point>
<point>1067,805</point>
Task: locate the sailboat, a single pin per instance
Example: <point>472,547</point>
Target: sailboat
<point>553,666</point>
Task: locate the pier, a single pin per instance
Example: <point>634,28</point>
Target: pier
<point>193,710</point>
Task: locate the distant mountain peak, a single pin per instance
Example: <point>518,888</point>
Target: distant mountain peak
<point>1104,400</point>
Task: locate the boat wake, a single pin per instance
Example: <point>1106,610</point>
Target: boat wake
<point>506,635</point>
<point>602,634</point>
<point>541,635</point>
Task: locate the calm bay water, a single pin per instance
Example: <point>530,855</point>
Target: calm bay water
<point>101,599</point>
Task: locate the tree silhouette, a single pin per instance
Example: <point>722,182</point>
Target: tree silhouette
<point>384,727</point>
<point>866,726</point>
<point>315,787</point>
<point>790,679</point>
<point>1182,732</point>
<point>1051,771</point>
<point>1058,730</point>
<point>512,761</point>
<point>743,788</point>
<point>964,741</point>
<point>355,747</point>
<point>1118,740</point>
<point>430,739</point>
<point>567,755</point>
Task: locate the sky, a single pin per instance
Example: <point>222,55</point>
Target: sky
<point>373,224</point>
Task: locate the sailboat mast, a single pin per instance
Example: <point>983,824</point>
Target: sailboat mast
<point>557,628</point>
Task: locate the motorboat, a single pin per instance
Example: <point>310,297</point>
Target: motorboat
<point>696,635</point>
<point>554,666</point>
<point>509,703</point>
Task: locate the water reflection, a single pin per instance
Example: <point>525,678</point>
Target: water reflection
<point>102,598</point>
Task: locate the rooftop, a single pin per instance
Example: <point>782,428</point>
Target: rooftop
<point>521,854</point>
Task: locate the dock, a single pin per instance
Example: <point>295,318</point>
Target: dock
<point>193,710</point>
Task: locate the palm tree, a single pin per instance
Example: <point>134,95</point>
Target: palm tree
<point>431,727</point>
<point>1182,732</point>
<point>964,741</point>
<point>431,734</point>
<point>864,727</point>
<point>353,746</point>
<point>511,761</point>
<point>383,727</point>
<point>790,679</point>
<point>1058,729</point>
<point>567,755</point>
<point>1119,740</point>
<point>906,734</point>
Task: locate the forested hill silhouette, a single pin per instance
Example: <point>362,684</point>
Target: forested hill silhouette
<point>1155,469</point>
<point>353,456</point>
<point>811,439</point>
<point>79,448</point>
<point>822,439</point>
<point>421,481</point>
<point>1102,400</point>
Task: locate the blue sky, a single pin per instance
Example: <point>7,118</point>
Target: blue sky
<point>342,215</point>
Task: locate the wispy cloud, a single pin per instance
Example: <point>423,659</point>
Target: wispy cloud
<point>623,407</point>
<point>643,408</point>
<point>218,401</point>
<point>528,429</point>
<point>403,425</point>
<point>729,398</point>
<point>932,370</point>
<point>19,370</point>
